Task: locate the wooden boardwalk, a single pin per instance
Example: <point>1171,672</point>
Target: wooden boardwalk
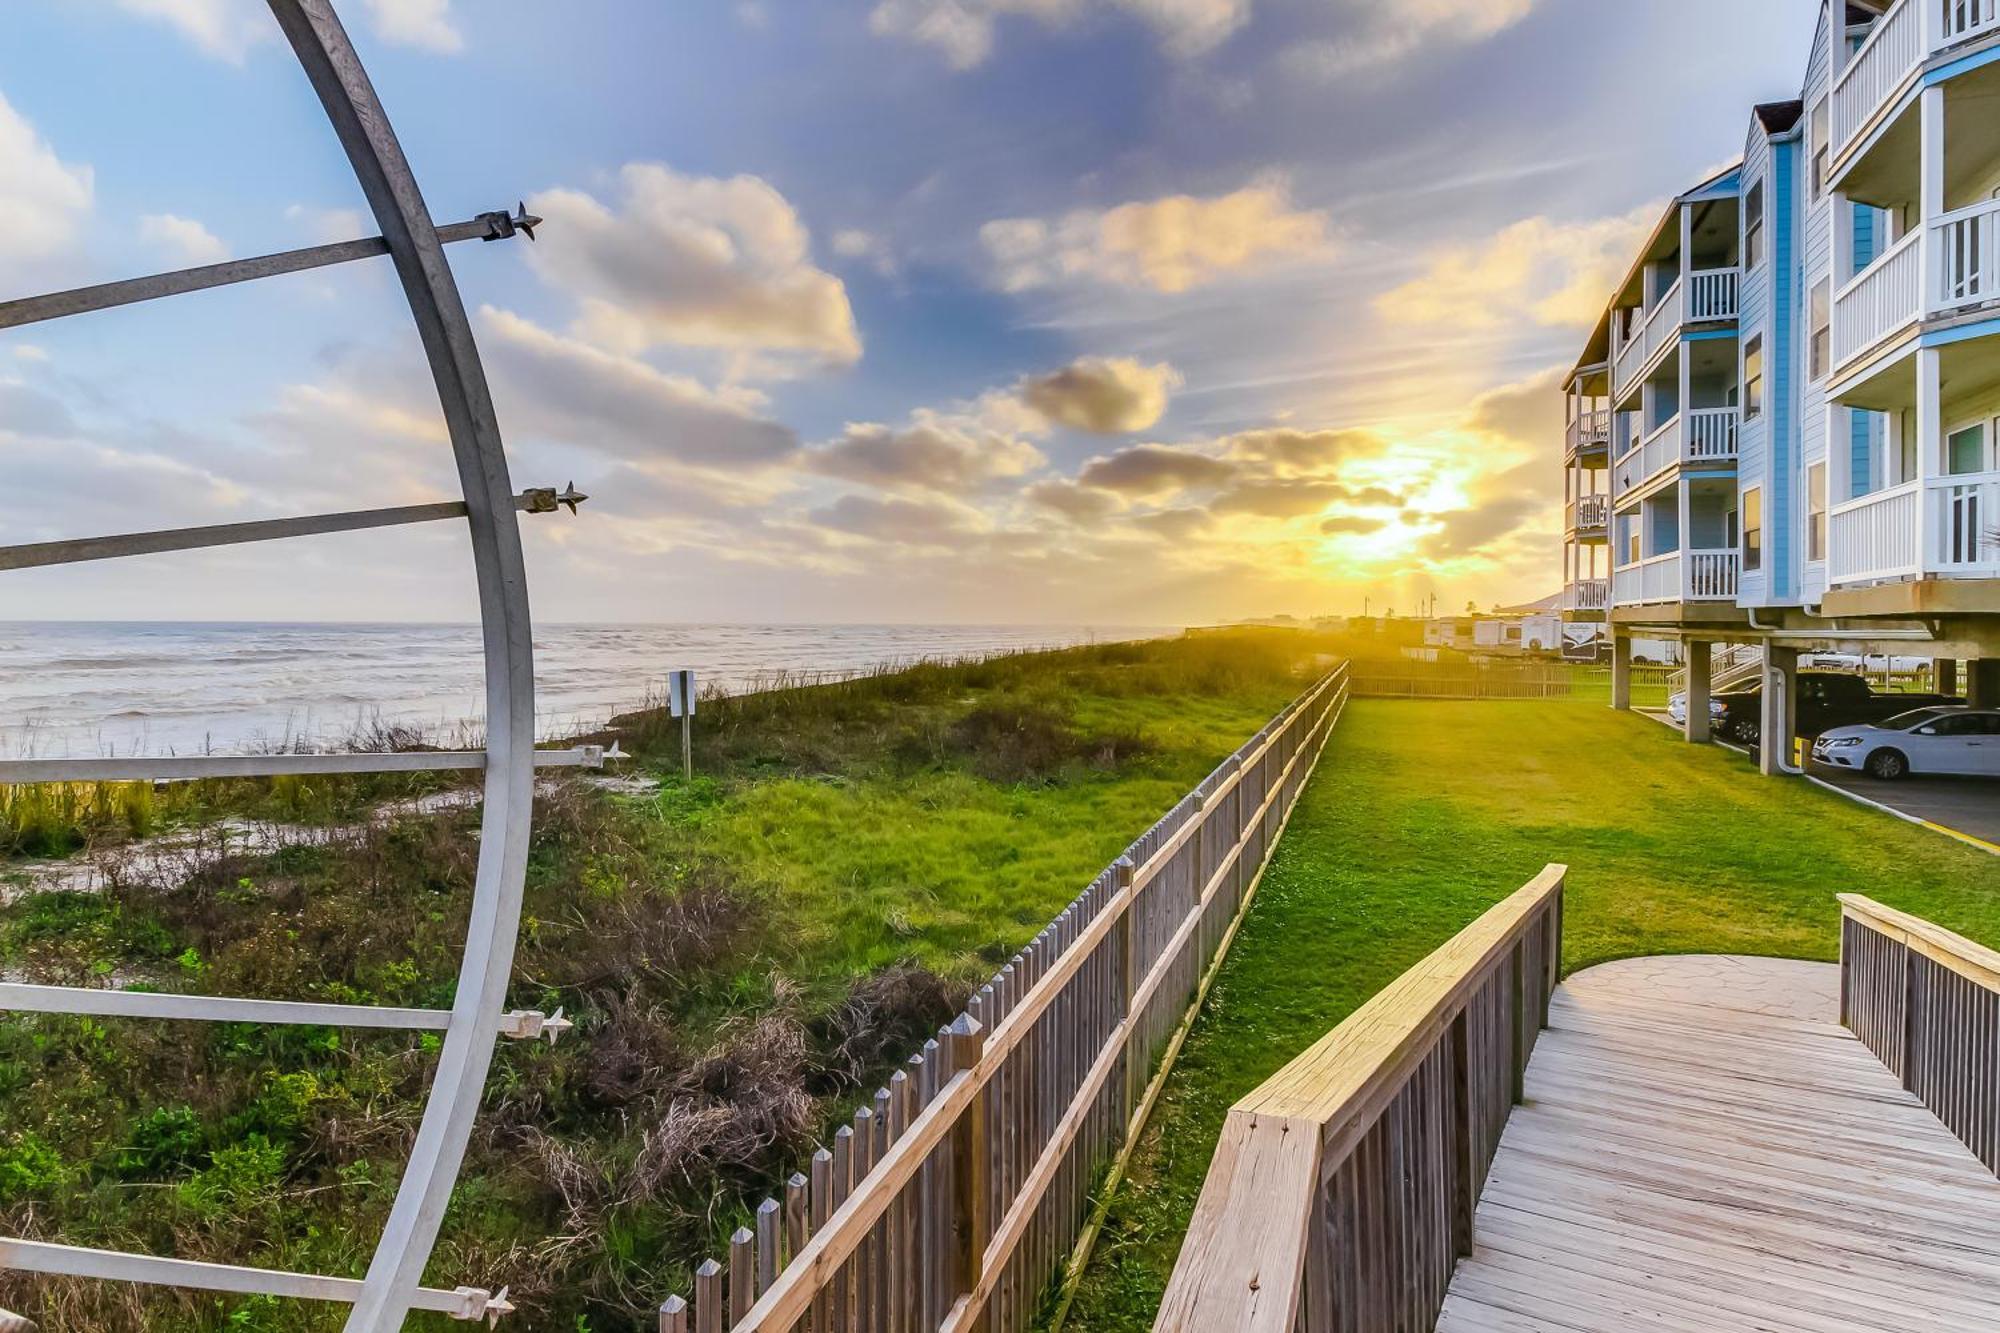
<point>1704,1149</point>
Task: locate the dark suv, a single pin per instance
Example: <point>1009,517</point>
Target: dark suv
<point>1825,699</point>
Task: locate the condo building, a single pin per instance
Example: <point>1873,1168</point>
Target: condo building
<point>1784,431</point>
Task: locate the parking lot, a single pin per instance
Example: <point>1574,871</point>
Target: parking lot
<point>1968,805</point>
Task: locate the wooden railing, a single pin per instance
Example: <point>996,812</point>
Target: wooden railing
<point>1927,1003</point>
<point>956,1196</point>
<point>1342,1192</point>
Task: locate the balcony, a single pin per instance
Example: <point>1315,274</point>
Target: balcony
<point>1587,595</point>
<point>1897,47</point>
<point>1703,296</point>
<point>1879,302</point>
<point>1943,528</point>
<point>1704,435</point>
<point>1965,249</point>
<point>1678,576</point>
<point>1588,517</point>
<point>1589,433</point>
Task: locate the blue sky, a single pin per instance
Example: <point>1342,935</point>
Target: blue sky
<point>1027,310</point>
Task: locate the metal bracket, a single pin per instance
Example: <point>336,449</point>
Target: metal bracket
<point>499,226</point>
<point>533,1025</point>
<point>547,499</point>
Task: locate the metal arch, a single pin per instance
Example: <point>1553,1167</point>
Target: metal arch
<point>336,74</point>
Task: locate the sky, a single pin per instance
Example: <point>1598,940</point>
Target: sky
<point>1038,311</point>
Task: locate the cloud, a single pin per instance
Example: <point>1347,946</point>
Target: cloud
<point>1168,245</point>
<point>962,31</point>
<point>1291,452</point>
<point>225,29</point>
<point>936,452</point>
<point>1383,35</point>
<point>1556,273</point>
<point>183,240</point>
<point>328,225</point>
<point>929,521</point>
<point>1467,532</point>
<point>565,390</point>
<point>1529,413</point>
<point>1102,395</point>
<point>424,24</point>
<point>694,261</point>
<point>1352,525</point>
<point>854,243</point>
<point>44,201</point>
<point>1148,471</point>
<point>1296,497</point>
<point>1080,504</point>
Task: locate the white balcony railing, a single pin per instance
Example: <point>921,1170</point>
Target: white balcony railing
<point>1590,430</point>
<point>1945,527</point>
<point>1900,42</point>
<point>1881,300</point>
<point>1965,523</point>
<point>1587,595</point>
<point>1587,512</point>
<point>1712,434</point>
<point>1876,537</point>
<point>1713,294</point>
<point>1662,322</point>
<point>1704,435</point>
<point>1712,576</point>
<point>1965,249</point>
<point>1678,576</point>
<point>1894,49</point>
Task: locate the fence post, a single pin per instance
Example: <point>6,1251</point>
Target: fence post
<point>969,1170</point>
<point>1122,872</point>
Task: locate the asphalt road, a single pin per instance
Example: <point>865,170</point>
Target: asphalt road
<point>1970,805</point>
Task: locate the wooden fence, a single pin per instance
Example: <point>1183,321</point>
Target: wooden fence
<point>1927,1003</point>
<point>957,1195</point>
<point>1342,1192</point>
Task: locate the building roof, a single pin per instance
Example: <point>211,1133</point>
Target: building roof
<point>1779,117</point>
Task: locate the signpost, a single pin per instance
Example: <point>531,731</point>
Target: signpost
<point>680,704</point>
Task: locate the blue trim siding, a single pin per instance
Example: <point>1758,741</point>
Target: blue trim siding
<point>1779,370</point>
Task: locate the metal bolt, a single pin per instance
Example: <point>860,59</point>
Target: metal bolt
<point>500,224</point>
<point>571,496</point>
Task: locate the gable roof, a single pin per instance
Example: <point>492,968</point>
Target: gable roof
<point>1780,117</point>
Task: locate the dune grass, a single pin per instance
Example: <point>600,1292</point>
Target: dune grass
<point>746,955</point>
<point>1421,816</point>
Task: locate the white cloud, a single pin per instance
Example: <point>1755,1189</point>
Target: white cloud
<point>1383,35</point>
<point>1102,395</point>
<point>1168,245</point>
<point>963,30</point>
<point>694,261</point>
<point>44,201</point>
<point>568,391</point>
<point>225,29</point>
<point>935,452</point>
<point>183,240</point>
<point>1557,273</point>
<point>424,24</point>
<point>855,243</point>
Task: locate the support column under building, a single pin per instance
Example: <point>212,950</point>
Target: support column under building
<point>1777,709</point>
<point>1699,667</point>
<point>1982,682</point>
<point>1621,670</point>
<point>1945,669</point>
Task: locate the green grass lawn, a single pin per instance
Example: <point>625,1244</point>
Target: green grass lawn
<point>1421,816</point>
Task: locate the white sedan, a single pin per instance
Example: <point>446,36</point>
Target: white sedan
<point>1961,741</point>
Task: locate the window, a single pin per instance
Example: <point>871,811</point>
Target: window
<point>1753,529</point>
<point>1753,378</point>
<point>1819,150</point>
<point>1816,512</point>
<point>1753,227</point>
<point>1965,450</point>
<point>1822,327</point>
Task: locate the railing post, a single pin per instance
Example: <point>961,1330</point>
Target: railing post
<point>969,1168</point>
<point>1464,1162</point>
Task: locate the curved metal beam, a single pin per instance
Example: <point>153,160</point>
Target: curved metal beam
<point>330,63</point>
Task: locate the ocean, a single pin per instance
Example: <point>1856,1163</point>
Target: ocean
<point>71,688</point>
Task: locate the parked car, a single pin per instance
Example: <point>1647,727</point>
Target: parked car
<point>1826,699</point>
<point>1962,741</point>
<point>1677,708</point>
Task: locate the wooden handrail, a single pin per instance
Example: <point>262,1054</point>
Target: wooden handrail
<point>1974,962</point>
<point>1253,1240</point>
<point>835,1241</point>
<point>1922,999</point>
